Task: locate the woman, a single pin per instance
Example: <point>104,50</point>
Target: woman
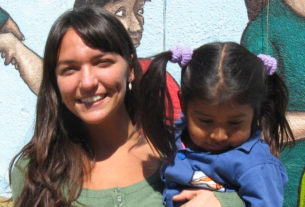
<point>87,147</point>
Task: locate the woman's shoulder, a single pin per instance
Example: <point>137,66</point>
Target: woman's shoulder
<point>21,163</point>
<point>17,176</point>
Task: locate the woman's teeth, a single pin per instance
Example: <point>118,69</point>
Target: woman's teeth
<point>92,99</point>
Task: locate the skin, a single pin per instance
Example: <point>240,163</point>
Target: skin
<point>217,127</point>
<point>130,13</point>
<point>197,197</point>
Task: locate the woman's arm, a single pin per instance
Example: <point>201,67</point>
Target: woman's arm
<point>198,197</point>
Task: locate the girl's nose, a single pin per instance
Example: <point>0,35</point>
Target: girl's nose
<point>88,79</point>
<point>219,134</point>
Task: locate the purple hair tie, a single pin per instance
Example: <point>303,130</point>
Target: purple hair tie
<point>181,55</point>
<point>269,62</point>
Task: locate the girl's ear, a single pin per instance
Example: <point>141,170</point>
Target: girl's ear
<point>182,102</point>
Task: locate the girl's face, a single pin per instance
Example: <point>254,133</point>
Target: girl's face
<point>130,13</point>
<point>218,127</point>
<point>92,83</point>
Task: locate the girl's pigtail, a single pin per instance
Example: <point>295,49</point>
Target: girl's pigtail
<point>156,110</point>
<point>275,127</point>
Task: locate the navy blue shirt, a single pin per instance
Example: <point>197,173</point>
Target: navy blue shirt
<point>249,169</point>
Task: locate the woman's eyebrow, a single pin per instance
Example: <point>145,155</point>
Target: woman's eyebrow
<point>65,62</point>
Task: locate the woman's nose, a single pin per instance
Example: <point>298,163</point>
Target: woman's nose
<point>88,79</point>
<point>219,134</point>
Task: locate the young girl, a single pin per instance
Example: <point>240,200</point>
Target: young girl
<point>234,120</point>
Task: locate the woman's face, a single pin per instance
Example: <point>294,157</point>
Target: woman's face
<point>92,83</point>
<point>130,13</point>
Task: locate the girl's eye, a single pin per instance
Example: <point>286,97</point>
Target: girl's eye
<point>206,121</point>
<point>235,122</point>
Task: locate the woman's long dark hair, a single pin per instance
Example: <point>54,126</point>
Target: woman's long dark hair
<point>218,71</point>
<point>58,154</point>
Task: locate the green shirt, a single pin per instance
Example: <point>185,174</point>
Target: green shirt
<point>146,193</point>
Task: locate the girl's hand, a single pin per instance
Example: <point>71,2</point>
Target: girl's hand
<point>197,198</point>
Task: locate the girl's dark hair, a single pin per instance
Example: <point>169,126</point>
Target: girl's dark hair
<point>58,154</point>
<point>218,72</point>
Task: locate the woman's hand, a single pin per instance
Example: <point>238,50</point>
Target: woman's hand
<point>197,198</point>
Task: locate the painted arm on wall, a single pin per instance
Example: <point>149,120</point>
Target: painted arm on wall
<point>25,60</point>
<point>7,24</point>
<point>15,52</point>
<point>296,120</point>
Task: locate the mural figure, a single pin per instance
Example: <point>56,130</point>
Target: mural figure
<point>29,64</point>
<point>277,27</point>
<point>129,12</point>
<point>282,37</point>
<point>15,52</point>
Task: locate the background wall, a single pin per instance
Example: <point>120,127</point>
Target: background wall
<point>166,23</point>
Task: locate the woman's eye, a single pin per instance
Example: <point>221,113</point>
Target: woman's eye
<point>103,63</point>
<point>68,70</point>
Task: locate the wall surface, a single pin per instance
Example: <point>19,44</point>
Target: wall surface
<point>166,23</point>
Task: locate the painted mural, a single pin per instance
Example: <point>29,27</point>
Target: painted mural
<point>167,23</point>
<point>276,27</point>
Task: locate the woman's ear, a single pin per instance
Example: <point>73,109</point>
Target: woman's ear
<point>131,75</point>
<point>182,102</point>
<point>131,71</point>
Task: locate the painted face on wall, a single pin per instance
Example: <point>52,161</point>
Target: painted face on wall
<point>130,13</point>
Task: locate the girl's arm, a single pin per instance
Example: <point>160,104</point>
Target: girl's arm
<point>263,184</point>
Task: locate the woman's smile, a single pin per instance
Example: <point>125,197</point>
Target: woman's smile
<point>92,83</point>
